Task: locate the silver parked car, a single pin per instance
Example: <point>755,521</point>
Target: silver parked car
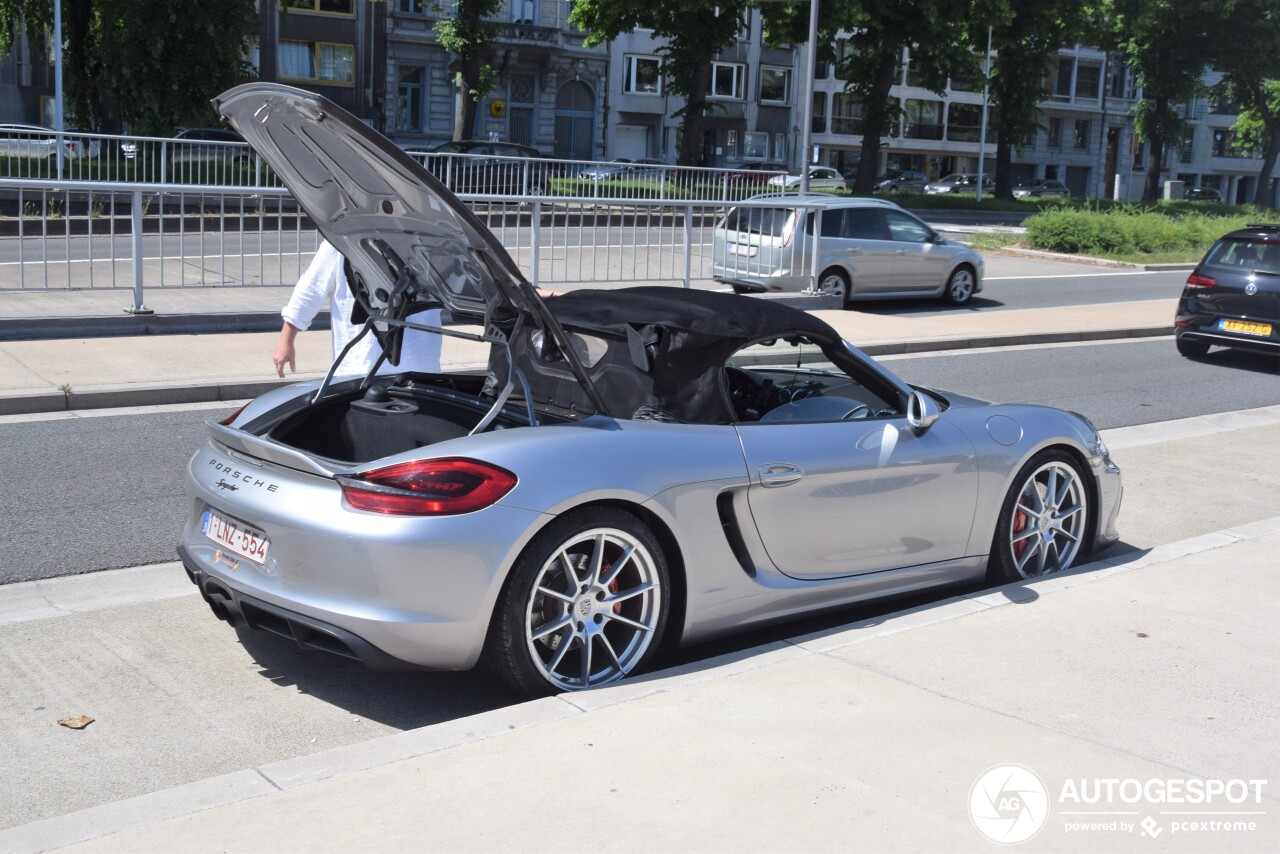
<point>868,249</point>
<point>1042,188</point>
<point>637,468</point>
<point>960,182</point>
<point>820,178</point>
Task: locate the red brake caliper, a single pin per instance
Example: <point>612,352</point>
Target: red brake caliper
<point>1019,525</point>
<point>612,587</point>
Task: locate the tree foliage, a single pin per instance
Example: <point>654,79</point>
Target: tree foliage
<point>1027,35</point>
<point>1247,51</point>
<point>1164,42</point>
<point>695,32</point>
<point>941,34</point>
<point>152,63</point>
<point>470,35</point>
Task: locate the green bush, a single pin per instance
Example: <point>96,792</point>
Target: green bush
<point>1129,230</point>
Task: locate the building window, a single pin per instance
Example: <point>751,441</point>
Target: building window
<point>1224,141</point>
<point>1088,82</point>
<point>329,7</point>
<point>1062,85</point>
<point>727,81</point>
<point>1055,133</point>
<point>321,61</point>
<point>1185,146</point>
<point>524,12</point>
<point>731,144</point>
<point>846,113</point>
<point>775,85</point>
<point>755,145</point>
<point>642,75</point>
<point>413,7</point>
<point>819,112</point>
<point>1029,141</point>
<point>780,147</point>
<point>1081,138</point>
<point>1120,81</point>
<point>923,119</point>
<point>409,93</point>
<point>964,122</point>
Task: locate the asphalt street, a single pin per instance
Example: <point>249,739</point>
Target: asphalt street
<point>118,499</point>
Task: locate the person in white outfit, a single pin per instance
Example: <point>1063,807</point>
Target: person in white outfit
<point>325,284</point>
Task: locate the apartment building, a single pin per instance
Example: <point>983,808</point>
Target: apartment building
<point>552,90</point>
<point>753,95</point>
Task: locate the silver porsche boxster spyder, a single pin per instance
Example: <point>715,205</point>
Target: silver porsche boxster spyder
<point>636,469</point>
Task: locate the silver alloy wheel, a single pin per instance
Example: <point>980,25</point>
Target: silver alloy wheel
<point>833,284</point>
<point>1048,522</point>
<point>960,288</point>
<point>595,607</point>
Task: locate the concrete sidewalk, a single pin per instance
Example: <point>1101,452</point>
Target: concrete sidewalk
<point>1147,667</point>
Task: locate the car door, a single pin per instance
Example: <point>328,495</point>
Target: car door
<point>921,265</point>
<point>833,498</point>
<point>867,251</point>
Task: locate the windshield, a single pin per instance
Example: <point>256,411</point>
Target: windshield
<point>1245,255</point>
<point>768,221</point>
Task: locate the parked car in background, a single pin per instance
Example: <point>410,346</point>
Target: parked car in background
<point>604,171</point>
<point>18,140</point>
<point>901,180</point>
<point>491,168</point>
<point>960,182</point>
<point>869,249</point>
<point>757,173</point>
<point>1041,188</point>
<point>645,169</point>
<point>192,145</point>
<point>1202,194</point>
<point>820,178</point>
<point>1232,298</point>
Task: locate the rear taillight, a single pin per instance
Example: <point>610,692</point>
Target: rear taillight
<point>230,419</point>
<point>443,487</point>
<point>789,230</point>
<point>1197,282</point>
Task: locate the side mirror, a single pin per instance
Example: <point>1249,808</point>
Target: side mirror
<point>922,412</point>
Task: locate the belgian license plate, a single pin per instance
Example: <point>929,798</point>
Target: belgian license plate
<point>235,536</point>
<point>1246,327</point>
<point>739,249</point>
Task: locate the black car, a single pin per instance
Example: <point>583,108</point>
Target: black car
<point>1202,194</point>
<point>491,168</point>
<point>1232,299</point>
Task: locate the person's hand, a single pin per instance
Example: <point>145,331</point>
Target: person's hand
<point>284,353</point>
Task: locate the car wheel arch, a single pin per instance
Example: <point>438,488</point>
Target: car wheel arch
<point>963,265</point>
<point>1090,482</point>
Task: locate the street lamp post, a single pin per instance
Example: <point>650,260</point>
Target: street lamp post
<point>982,137</point>
<point>806,130</point>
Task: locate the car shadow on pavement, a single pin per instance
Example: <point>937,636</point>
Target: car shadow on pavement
<point>1242,360</point>
<point>403,700</point>
<point>917,306</point>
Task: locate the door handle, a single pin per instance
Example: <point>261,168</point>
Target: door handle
<point>780,474</point>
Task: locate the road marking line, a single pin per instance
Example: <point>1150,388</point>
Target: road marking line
<point>1079,275</point>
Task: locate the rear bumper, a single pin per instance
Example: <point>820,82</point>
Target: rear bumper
<point>1198,326</point>
<point>239,609</point>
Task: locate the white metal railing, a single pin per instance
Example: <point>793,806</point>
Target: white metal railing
<point>66,235</point>
<point>30,153</point>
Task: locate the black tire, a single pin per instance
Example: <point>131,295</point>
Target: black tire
<point>528,605</point>
<point>1191,347</point>
<point>961,285</point>
<point>1016,520</point>
<point>835,282</point>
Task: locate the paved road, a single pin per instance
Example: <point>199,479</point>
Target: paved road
<point>97,491</point>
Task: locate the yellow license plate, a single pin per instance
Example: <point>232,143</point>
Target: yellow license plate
<point>1246,327</point>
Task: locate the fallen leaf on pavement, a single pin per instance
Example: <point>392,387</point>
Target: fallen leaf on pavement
<point>78,722</point>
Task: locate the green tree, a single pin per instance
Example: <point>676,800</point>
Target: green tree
<point>695,32</point>
<point>941,35</point>
<point>1026,37</point>
<point>469,35</point>
<point>1164,42</point>
<point>1248,54</point>
<point>152,63</point>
